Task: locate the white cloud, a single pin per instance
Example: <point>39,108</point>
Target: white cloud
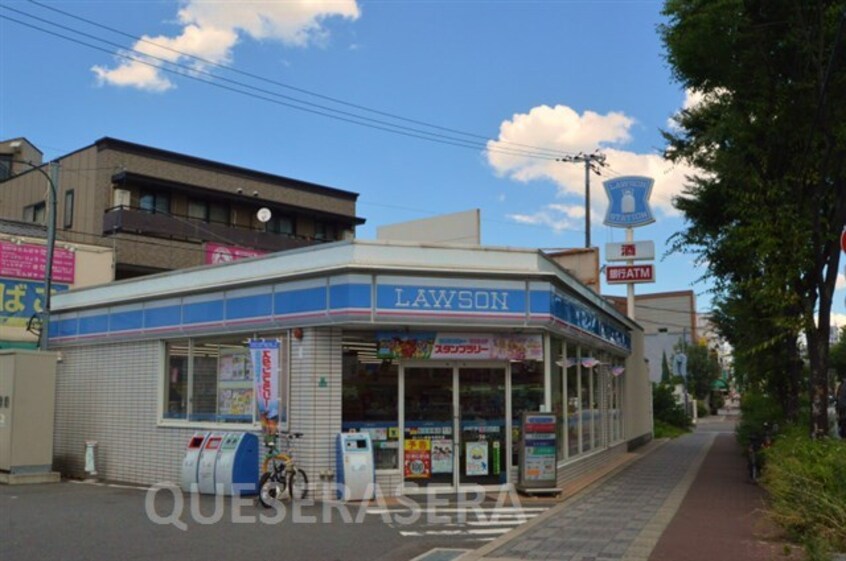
<point>841,282</point>
<point>563,129</point>
<point>501,197</point>
<point>556,216</point>
<point>212,29</point>
<point>838,319</point>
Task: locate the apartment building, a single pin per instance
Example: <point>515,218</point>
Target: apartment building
<point>160,210</point>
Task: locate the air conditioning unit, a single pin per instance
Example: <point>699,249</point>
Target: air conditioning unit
<point>121,198</point>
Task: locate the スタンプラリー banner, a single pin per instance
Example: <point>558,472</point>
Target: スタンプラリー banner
<point>265,358</point>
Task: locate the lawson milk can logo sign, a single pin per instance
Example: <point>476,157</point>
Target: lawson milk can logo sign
<point>628,201</point>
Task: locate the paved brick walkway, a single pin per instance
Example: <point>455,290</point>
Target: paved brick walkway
<point>720,518</point>
<point>688,500</point>
<point>620,519</point>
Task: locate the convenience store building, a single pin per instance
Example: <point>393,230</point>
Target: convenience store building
<point>435,351</point>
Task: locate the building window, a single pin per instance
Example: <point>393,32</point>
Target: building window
<point>198,210</point>
<point>210,381</point>
<point>205,211</point>
<point>557,353</point>
<point>324,231</point>
<point>68,221</point>
<point>574,405</point>
<point>280,225</point>
<point>218,213</point>
<point>370,393</point>
<point>526,395</point>
<point>36,213</point>
<point>5,166</point>
<point>586,400</point>
<point>154,202</point>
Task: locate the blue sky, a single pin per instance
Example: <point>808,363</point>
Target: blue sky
<point>568,76</point>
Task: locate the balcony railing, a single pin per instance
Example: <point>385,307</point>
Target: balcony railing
<point>134,220</point>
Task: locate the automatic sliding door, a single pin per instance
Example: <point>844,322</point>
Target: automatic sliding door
<point>482,436</point>
<point>428,427</point>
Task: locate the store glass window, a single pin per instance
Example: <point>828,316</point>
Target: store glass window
<point>176,382</point>
<point>219,213</point>
<point>526,395</point>
<point>586,399</point>
<point>574,403</point>
<point>557,387</point>
<point>211,381</point>
<point>370,392</point>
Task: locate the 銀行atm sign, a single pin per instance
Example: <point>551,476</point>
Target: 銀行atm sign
<point>629,273</point>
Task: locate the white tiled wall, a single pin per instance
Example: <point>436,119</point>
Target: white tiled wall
<point>108,393</point>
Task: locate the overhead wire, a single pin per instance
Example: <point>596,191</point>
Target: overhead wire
<point>140,39</point>
<point>195,74</point>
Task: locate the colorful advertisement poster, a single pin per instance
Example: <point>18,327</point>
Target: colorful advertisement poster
<point>217,253</point>
<point>442,456</point>
<point>265,359</point>
<point>235,402</point>
<point>445,346</point>
<point>28,261</point>
<point>418,459</point>
<point>476,458</point>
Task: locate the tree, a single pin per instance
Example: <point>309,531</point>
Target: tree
<point>766,209</point>
<point>665,369</point>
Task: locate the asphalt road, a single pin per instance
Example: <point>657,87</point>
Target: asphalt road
<point>77,521</point>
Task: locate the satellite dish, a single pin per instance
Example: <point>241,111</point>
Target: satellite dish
<point>264,214</point>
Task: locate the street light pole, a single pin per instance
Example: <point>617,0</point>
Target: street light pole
<point>52,180</point>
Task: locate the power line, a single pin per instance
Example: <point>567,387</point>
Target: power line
<point>192,73</point>
<point>539,149</point>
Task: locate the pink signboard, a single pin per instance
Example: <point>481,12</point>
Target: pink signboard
<point>217,253</point>
<point>27,261</point>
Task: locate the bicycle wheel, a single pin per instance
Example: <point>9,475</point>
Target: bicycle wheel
<point>298,484</point>
<point>271,488</point>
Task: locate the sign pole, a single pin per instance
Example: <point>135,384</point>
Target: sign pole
<point>630,291</point>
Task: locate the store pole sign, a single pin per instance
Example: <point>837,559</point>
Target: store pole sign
<point>630,251</point>
<point>628,201</point>
<point>443,346</point>
<point>265,357</point>
<point>630,273</point>
<point>29,261</point>
<point>538,451</point>
<point>217,253</point>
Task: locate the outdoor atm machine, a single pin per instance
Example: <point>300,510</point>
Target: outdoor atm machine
<point>237,464</point>
<point>356,474</point>
<point>208,459</point>
<point>191,462</point>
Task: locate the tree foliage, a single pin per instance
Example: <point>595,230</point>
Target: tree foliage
<point>766,209</point>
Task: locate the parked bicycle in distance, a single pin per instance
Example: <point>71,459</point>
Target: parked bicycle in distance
<point>280,472</point>
<point>755,452</point>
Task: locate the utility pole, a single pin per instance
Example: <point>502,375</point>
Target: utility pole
<point>591,161</point>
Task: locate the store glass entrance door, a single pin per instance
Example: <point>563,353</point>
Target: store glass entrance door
<point>455,426</point>
<point>429,427</point>
<point>481,414</point>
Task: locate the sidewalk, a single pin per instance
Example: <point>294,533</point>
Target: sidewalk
<point>687,500</point>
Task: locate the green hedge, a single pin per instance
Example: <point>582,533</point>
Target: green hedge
<point>806,480</point>
<point>666,409</point>
<point>757,409</point>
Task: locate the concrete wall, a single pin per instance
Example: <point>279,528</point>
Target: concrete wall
<point>637,392</point>
<point>459,228</point>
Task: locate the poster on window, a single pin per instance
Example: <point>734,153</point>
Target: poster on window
<point>418,458</point>
<point>477,458</point>
<point>265,362</point>
<point>442,459</point>
<point>236,402</point>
